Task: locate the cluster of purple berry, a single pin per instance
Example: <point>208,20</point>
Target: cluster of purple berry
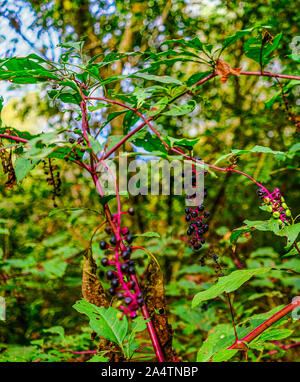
<point>275,204</point>
<point>123,284</point>
<point>196,216</point>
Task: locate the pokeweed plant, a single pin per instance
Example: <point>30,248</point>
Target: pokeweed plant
<point>75,80</point>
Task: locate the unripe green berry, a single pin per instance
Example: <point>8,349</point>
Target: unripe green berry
<point>282,199</point>
<point>276,214</point>
<point>270,209</point>
<point>284,205</point>
<point>267,200</point>
<point>288,213</point>
<point>119,315</point>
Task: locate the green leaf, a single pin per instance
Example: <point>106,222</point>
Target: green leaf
<point>158,107</point>
<point>261,225</point>
<point>98,358</point>
<point>162,79</point>
<point>23,166</point>
<point>76,45</point>
<point>104,321</point>
<point>274,335</point>
<point>58,210</point>
<point>129,120</point>
<point>148,141</point>
<point>96,146</point>
<point>194,43</point>
<point>21,263</point>
<point>291,232</point>
<point>255,149</point>
<point>147,234</point>
<point>56,330</point>
<point>219,338</point>
<point>55,267</point>
<point>177,110</point>
<point>138,326</point>
<point>238,34</point>
<point>65,95</point>
<point>194,78</point>
<point>253,49</point>
<point>228,284</point>
<point>184,142</point>
<point>224,355</point>
<point>98,106</point>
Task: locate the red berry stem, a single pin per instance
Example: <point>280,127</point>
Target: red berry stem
<point>242,343</point>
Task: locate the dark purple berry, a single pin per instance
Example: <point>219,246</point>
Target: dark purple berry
<point>140,301</point>
<point>206,214</point>
<point>131,270</point>
<point>197,246</point>
<point>111,291</point>
<point>110,275</point>
<point>187,210</point>
<point>188,218</point>
<point>189,232</point>
<point>129,238</point>
<point>104,261</point>
<point>120,296</point>
<point>103,244</point>
<point>131,211</point>
<point>191,227</point>
<point>201,208</point>
<point>194,214</point>
<point>124,268</point>
<point>113,240</point>
<point>108,230</point>
<point>114,283</point>
<point>125,255</point>
<point>128,300</point>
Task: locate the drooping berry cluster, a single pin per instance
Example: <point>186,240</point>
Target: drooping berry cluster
<point>196,215</point>
<point>122,277</point>
<point>275,204</point>
<point>53,178</point>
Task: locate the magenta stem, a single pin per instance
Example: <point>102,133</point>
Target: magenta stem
<point>268,74</point>
<point>240,343</point>
<point>18,139</point>
<point>151,330</point>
